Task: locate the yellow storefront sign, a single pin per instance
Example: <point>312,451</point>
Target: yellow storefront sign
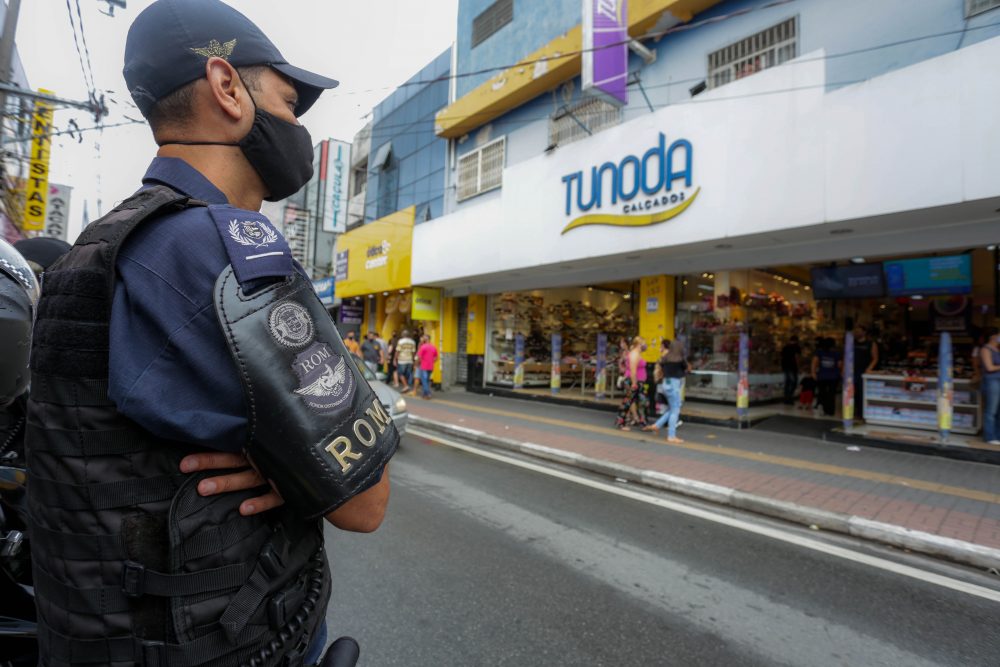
<point>37,188</point>
<point>379,256</point>
<point>426,304</point>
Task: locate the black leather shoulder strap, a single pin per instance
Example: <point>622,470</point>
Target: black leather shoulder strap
<point>316,427</point>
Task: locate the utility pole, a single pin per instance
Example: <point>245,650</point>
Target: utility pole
<point>7,52</point>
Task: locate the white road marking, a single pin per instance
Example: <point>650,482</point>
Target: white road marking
<point>740,524</point>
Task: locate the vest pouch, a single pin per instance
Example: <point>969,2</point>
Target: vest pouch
<point>208,534</point>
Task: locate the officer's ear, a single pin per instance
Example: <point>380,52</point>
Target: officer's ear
<point>227,89</point>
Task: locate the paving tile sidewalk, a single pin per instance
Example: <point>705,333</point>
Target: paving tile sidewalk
<point>956,502</point>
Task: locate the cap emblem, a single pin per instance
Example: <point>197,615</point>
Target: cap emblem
<point>215,49</point>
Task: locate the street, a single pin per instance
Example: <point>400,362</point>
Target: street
<point>484,563</point>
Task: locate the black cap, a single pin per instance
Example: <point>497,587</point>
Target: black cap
<point>170,40</point>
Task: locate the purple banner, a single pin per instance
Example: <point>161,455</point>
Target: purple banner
<point>518,361</point>
<point>946,386</point>
<point>556,361</point>
<point>605,49</point>
<point>743,382</point>
<point>847,396</point>
<point>601,374</point>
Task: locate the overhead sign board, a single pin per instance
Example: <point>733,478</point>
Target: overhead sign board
<point>335,172</point>
<point>605,49</point>
<point>37,189</point>
<point>57,211</point>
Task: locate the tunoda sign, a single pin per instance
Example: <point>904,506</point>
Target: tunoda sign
<point>641,191</point>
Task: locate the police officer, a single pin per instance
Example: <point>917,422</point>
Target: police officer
<point>18,296</point>
<point>177,341</point>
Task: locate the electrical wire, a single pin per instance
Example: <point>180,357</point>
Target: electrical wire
<point>87,81</point>
<point>86,50</point>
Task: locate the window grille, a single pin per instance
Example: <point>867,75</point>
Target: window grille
<point>595,114</point>
<point>490,20</point>
<point>296,231</point>
<point>973,7</point>
<point>768,48</point>
<point>481,170</point>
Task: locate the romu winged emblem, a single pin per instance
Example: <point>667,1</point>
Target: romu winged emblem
<point>330,383</point>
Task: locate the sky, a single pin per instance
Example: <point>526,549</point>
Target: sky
<point>370,47</point>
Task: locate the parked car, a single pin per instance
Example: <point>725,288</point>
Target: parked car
<point>391,400</point>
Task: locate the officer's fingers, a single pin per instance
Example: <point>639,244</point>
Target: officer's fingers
<point>212,461</point>
<point>237,481</point>
<point>261,504</point>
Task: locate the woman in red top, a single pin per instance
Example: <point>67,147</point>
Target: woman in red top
<point>426,355</point>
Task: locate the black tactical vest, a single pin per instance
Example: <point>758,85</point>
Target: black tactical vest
<point>131,565</point>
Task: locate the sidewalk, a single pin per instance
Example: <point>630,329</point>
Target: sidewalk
<point>924,503</point>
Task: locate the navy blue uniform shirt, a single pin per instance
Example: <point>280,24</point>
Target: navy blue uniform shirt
<point>171,371</point>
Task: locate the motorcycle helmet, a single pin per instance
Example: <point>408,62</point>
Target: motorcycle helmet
<point>19,294</point>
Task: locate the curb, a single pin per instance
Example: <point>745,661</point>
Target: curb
<point>856,526</point>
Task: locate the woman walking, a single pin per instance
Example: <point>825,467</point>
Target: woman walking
<point>673,368</point>
<point>989,361</point>
<point>633,408</point>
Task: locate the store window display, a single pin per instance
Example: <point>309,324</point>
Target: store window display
<point>578,314</point>
<point>713,309</point>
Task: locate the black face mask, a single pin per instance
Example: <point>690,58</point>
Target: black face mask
<point>280,152</point>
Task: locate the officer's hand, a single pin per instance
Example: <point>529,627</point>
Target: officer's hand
<point>236,481</point>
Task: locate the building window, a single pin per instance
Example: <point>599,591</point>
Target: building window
<point>567,125</point>
<point>360,180</point>
<point>973,7</point>
<point>768,48</point>
<point>494,17</point>
<point>481,170</point>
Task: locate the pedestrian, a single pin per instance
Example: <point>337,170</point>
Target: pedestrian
<point>390,359</point>
<point>807,393</point>
<point>826,369</point>
<point>790,355</point>
<point>673,366</point>
<point>177,334</point>
<point>352,344</point>
<point>406,351</point>
<point>371,352</point>
<point>632,411</point>
<point>866,360</point>
<point>383,353</point>
<point>623,351</point>
<point>427,355</point>
<point>989,360</point>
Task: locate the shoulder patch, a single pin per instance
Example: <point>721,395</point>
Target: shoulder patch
<point>255,247</point>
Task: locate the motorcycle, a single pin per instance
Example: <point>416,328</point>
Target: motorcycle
<point>18,632</point>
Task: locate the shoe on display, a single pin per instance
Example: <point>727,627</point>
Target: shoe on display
<point>993,442</point>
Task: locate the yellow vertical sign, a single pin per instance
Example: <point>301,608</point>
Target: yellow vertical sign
<point>37,190</point>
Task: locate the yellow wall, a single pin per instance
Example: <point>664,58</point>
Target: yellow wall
<point>449,326</point>
<point>658,323</point>
<point>475,341</point>
<point>379,255</point>
<point>546,68</point>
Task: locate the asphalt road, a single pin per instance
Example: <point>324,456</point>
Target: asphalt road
<point>483,563</point>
